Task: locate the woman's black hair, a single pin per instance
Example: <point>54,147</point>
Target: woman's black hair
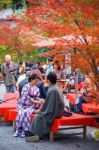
<point>21,62</point>
<point>33,77</point>
<point>52,77</point>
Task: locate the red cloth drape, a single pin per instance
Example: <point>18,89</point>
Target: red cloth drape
<point>74,120</point>
<point>71,97</point>
<point>7,103</point>
<point>8,96</point>
<point>90,108</point>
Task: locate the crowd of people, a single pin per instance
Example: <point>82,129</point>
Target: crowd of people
<point>40,94</point>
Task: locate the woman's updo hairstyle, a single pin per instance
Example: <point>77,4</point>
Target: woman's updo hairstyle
<point>33,77</point>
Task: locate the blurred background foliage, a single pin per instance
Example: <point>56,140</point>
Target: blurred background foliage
<point>11,3</point>
<point>28,56</point>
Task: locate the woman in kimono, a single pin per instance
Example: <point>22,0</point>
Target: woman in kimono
<point>28,103</point>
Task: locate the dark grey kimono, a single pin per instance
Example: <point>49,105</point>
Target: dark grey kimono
<point>52,108</point>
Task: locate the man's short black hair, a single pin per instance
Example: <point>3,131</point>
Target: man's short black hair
<point>52,78</point>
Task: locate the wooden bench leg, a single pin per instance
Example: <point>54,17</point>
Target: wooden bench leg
<point>14,126</point>
<point>51,136</point>
<point>84,131</point>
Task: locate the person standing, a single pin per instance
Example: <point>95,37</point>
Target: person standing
<point>21,77</point>
<point>50,67</point>
<point>8,74</point>
<point>59,72</point>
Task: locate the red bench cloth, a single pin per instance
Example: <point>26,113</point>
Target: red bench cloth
<point>71,97</point>
<point>6,106</point>
<point>90,108</point>
<point>8,96</point>
<point>74,120</point>
<point>11,115</point>
<point>81,85</point>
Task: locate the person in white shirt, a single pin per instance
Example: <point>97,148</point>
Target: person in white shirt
<point>21,77</point>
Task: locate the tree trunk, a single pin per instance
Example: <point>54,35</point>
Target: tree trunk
<point>95,72</point>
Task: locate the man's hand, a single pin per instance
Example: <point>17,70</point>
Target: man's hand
<point>38,102</point>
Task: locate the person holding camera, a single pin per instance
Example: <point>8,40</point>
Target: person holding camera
<point>8,74</point>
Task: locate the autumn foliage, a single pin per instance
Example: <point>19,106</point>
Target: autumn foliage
<point>75,24</point>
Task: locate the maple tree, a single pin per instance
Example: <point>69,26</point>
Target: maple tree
<point>9,37</point>
<point>72,23</point>
<point>75,24</point>
<point>18,38</point>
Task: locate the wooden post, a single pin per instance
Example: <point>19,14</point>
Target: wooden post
<point>51,136</point>
<point>84,132</point>
<point>14,126</point>
<point>76,83</point>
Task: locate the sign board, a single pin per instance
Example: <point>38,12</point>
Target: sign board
<point>68,62</point>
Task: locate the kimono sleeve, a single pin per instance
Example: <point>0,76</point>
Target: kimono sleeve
<point>51,108</point>
<point>24,96</point>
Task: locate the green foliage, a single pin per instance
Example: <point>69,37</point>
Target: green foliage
<point>11,3</point>
<point>3,50</point>
<point>27,56</point>
<point>39,51</point>
<point>33,55</point>
<point>62,20</point>
<point>5,3</point>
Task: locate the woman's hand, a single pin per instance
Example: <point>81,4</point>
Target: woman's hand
<point>38,102</point>
<point>38,111</point>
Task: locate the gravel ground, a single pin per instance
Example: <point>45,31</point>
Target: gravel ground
<point>65,142</point>
<point>8,142</point>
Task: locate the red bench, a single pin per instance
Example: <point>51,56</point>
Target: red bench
<point>11,116</point>
<point>9,102</point>
<point>74,122</point>
<point>90,108</point>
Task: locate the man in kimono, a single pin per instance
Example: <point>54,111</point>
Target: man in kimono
<point>52,108</point>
